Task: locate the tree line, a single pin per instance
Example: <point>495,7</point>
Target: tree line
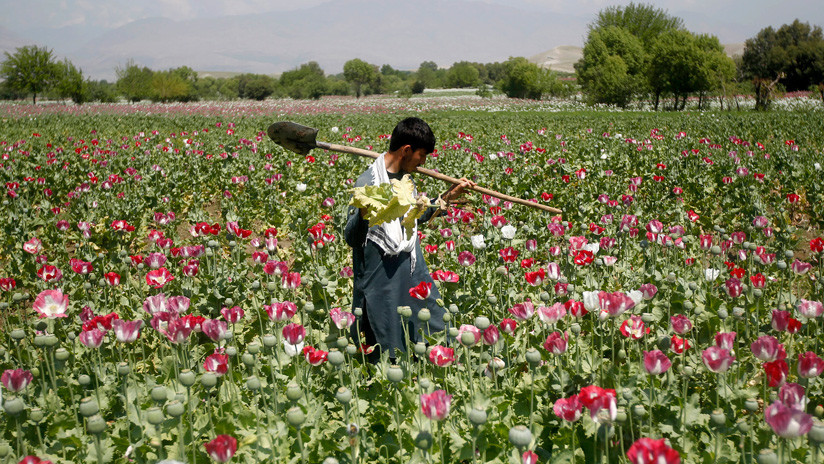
<point>639,53</point>
<point>635,54</point>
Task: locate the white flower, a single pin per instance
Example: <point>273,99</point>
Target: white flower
<point>334,130</point>
<point>636,295</point>
<point>609,260</point>
<point>292,350</point>
<point>593,247</point>
<point>494,156</point>
<point>478,242</point>
<point>591,301</point>
<point>604,156</point>
<point>508,232</point>
<point>817,166</point>
<point>301,187</point>
<point>711,274</point>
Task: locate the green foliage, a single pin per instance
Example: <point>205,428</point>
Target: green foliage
<point>307,81</point>
<point>255,86</point>
<point>70,83</point>
<point>641,20</point>
<point>134,82</point>
<point>102,91</point>
<point>612,67</point>
<point>359,74</point>
<point>31,69</point>
<point>523,79</point>
<point>387,202</point>
<point>796,50</point>
<point>463,74</point>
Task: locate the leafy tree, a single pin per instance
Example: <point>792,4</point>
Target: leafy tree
<point>463,74</point>
<point>359,73</point>
<point>255,86</point>
<point>70,83</point>
<point>30,70</point>
<point>612,67</point>
<point>523,79</point>
<point>102,91</point>
<point>189,77</point>
<point>793,55</point>
<point>427,76</point>
<point>168,86</point>
<point>307,81</point>
<point>641,20</point>
<point>134,82</point>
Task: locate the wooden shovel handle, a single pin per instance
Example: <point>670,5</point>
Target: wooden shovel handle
<point>439,176</point>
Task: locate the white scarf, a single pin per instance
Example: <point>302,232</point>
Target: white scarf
<point>390,236</point>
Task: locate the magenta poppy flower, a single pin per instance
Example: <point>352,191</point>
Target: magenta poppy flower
<point>491,335</point>
<point>215,329</point>
<point>222,448</point>
<point>278,268</point>
<point>233,314</point>
<point>681,324</point>
<point>435,405</point>
<point>717,359</point>
<point>49,273</point>
<point>733,287</point>
<point>92,338</point>
<point>649,451</point>
<point>780,321</point>
<point>648,291</point>
<point>656,362</point>
<point>810,309</point>
<point>159,277</point>
<point>614,304</point>
<point>290,280</point>
<point>634,328</point>
<point>596,398</point>
<point>776,372</point>
<point>507,326</point>
<point>445,276</point>
<point>551,315</point>
<point>466,258</point>
<point>568,409</point>
<point>281,311</point>
<point>809,365</point>
<point>33,246</point>
<point>529,457</point>
<point>767,348</point>
<point>51,304</point>
<point>442,356</point>
<point>126,331</point>
<point>793,396</point>
<point>341,319</point>
<point>523,311</point>
<point>469,329</point>
<point>725,340</point>
<point>556,343</point>
<point>7,284</point>
<point>217,363</point>
<point>421,291</point>
<point>294,333</point>
<point>31,459</point>
<point>800,267</point>
<point>16,380</point>
<point>787,422</point>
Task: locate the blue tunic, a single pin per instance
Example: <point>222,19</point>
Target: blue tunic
<point>382,283</point>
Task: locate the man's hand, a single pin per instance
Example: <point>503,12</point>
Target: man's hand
<point>457,189</point>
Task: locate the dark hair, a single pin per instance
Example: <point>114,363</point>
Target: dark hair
<point>414,132</point>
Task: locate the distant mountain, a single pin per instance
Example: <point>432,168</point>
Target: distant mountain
<point>396,32</point>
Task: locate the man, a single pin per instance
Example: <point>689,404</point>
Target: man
<point>385,262</point>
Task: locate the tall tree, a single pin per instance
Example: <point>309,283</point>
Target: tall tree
<point>134,82</point>
<point>463,74</point>
<point>641,20</point>
<point>359,73</point>
<point>31,69</point>
<point>70,83</point>
<point>612,67</point>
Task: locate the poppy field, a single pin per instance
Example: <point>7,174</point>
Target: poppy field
<point>174,286</point>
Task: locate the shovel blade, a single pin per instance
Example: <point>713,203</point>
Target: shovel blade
<point>293,137</point>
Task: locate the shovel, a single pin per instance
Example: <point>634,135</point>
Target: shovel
<point>302,139</point>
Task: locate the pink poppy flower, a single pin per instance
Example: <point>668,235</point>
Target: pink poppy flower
<point>92,338</point>
<point>522,311</point>
<point>767,348</point>
<point>222,448</point>
<point>435,405</point>
<point>717,359</point>
<point>232,315</point>
<point>217,363</point>
<point>294,333</point>
<point>442,356</point>
<point>656,362</point>
<point>787,422</point>
<point>809,365</point>
<point>16,380</point>
<point>126,331</point>
<point>568,409</point>
<point>159,277</point>
<point>281,311</point>
<point>649,451</point>
<point>556,343</point>
<point>51,304</point>
<point>215,329</point>
<point>810,309</point>
<point>342,319</point>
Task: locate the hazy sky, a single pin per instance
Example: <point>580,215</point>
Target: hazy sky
<point>29,17</point>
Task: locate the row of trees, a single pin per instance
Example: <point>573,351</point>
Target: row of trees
<point>33,71</point>
<point>639,52</point>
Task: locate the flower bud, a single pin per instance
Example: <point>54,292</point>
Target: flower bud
<point>253,383</point>
<point>186,378</point>
<point>520,436</point>
<point>88,407</point>
<point>13,406</point>
<point>819,411</point>
<point>175,408</point>
<point>293,391</point>
<point>423,440</point>
<point>295,416</point>
<point>155,415</point>
<point>343,395</point>
<point>95,425</point>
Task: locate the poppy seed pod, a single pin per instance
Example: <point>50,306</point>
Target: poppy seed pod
<point>208,379</point>
<point>186,378</point>
<point>123,369</point>
<point>248,359</point>
<point>425,384</point>
<point>533,357</point>
<point>82,379</point>
<point>420,348</point>
<point>253,383</point>
<point>293,391</point>
<point>358,312</point>
<point>88,407</point>
<point>253,348</point>
<point>343,395</point>
<point>155,415</point>
<point>520,436</point>
<point>766,456</point>
<point>394,374</point>
<point>351,349</point>
<point>447,317</point>
<point>718,417</point>
<point>36,415</point>
<point>492,299</point>
<point>96,425</point>
<point>424,315</point>
<point>620,415</point>
<point>453,332</point>
<point>342,342</point>
<point>4,450</point>
<point>175,408</point>
<point>638,410</point>
<point>231,351</point>
<point>335,357</point>
<point>13,406</point>
<point>61,354</point>
<point>482,322</point>
<point>159,394</point>
<point>816,433</point>
<point>743,426</point>
<point>18,334</point>
<point>269,340</point>
<point>751,404</point>
<point>477,416</point>
<point>295,416</point>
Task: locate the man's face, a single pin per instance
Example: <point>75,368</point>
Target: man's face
<point>413,158</point>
